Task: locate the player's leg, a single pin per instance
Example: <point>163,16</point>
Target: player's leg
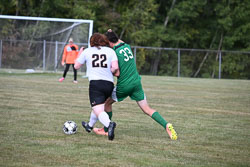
<point>108,104</point>
<point>108,110</point>
<point>94,118</point>
<point>65,72</point>
<point>101,115</point>
<point>139,96</point>
<point>104,119</point>
<point>96,96</point>
<point>99,91</point>
<point>75,73</point>
<point>158,118</point>
<point>143,104</point>
<point>92,121</point>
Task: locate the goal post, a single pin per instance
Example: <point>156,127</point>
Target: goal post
<point>38,42</point>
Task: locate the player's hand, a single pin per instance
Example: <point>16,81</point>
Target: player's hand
<point>117,73</point>
<point>63,63</point>
<point>80,51</point>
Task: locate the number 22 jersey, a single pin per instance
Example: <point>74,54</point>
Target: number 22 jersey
<point>98,62</point>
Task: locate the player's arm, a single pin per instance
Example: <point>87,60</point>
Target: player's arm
<point>80,51</point>
<point>80,60</point>
<point>120,41</point>
<point>115,68</point>
<point>77,51</point>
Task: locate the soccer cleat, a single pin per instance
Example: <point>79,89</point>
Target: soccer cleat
<point>75,82</point>
<point>111,130</point>
<point>100,131</point>
<point>61,79</point>
<point>87,127</point>
<point>171,132</point>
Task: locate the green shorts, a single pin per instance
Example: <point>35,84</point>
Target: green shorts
<point>135,92</point>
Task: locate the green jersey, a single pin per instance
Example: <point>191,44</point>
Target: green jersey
<point>129,81</point>
<point>128,71</point>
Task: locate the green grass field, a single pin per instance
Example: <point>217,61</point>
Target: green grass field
<point>211,117</point>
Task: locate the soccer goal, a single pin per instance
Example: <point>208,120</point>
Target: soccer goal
<point>38,42</point>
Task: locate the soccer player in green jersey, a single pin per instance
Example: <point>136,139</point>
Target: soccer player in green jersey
<point>129,84</point>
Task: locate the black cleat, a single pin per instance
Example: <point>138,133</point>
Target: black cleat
<point>111,130</point>
<point>87,127</point>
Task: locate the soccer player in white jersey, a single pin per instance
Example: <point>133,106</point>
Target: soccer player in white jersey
<point>102,63</point>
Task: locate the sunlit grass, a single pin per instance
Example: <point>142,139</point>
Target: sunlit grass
<point>211,117</point>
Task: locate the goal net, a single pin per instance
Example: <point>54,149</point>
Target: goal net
<point>37,42</point>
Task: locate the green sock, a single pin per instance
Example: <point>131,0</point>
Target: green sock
<point>158,118</point>
<point>110,116</point>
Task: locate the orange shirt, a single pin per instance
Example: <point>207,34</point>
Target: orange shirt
<point>70,54</point>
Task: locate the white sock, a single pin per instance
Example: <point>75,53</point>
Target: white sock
<point>93,119</point>
<point>104,119</point>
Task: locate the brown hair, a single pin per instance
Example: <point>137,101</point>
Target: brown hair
<point>98,40</point>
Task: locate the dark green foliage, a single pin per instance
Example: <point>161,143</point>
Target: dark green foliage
<point>217,25</point>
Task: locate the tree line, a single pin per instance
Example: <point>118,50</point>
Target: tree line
<point>205,24</point>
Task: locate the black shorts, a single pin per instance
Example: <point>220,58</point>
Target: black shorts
<point>99,91</point>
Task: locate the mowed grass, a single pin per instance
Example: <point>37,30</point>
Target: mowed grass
<point>211,117</point>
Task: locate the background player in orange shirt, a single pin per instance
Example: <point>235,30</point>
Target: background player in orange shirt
<point>69,56</point>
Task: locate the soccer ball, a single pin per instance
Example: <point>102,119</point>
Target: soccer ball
<point>69,127</point>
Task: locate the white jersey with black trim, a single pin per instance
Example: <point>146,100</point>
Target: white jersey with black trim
<point>98,62</point>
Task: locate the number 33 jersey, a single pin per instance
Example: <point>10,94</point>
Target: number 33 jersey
<point>127,65</point>
<point>98,62</point>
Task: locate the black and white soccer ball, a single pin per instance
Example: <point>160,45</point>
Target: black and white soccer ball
<point>69,127</point>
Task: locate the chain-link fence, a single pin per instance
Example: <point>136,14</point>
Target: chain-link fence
<point>39,55</point>
<point>192,62</point>
<point>46,56</point>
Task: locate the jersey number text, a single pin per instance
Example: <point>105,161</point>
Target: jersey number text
<point>99,60</point>
<point>127,54</point>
